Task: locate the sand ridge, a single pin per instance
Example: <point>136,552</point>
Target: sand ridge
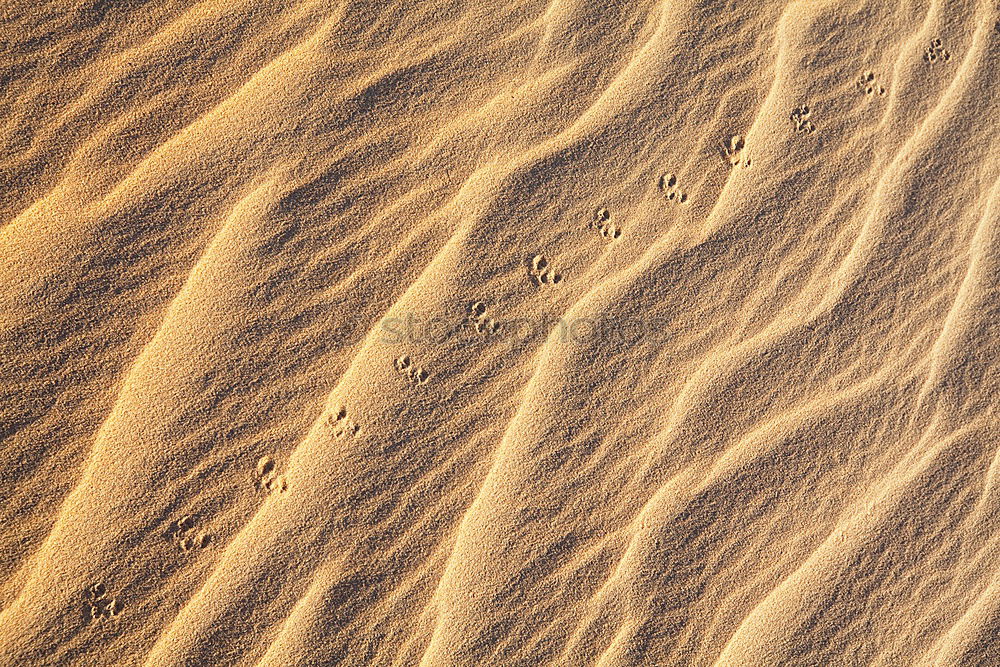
<point>450,333</point>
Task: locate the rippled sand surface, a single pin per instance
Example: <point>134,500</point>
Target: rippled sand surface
<point>372,332</point>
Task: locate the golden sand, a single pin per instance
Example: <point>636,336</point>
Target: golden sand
<point>553,332</point>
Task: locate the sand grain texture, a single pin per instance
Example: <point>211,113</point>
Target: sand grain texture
<point>448,333</point>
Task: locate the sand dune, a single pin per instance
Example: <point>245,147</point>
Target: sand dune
<point>445,333</point>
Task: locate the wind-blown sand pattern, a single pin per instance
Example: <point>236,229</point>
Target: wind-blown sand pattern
<point>517,333</point>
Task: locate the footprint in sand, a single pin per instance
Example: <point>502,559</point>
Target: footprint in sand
<point>98,604</point>
<point>734,152</point>
<point>866,84</point>
<point>476,318</point>
<point>540,273</point>
<point>602,223</point>
<point>182,533</point>
<point>668,186</point>
<point>268,479</point>
<point>800,116</point>
<point>340,424</point>
<point>406,368</point>
<point>936,52</point>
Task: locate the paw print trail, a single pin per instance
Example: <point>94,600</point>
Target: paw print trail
<point>602,223</point>
<point>340,425</point>
<point>800,117</point>
<point>267,478</point>
<point>866,84</point>
<point>540,273</point>
<point>99,605</point>
<point>415,374</point>
<point>181,532</point>
<point>733,151</point>
<point>476,318</point>
<point>668,186</point>
<point>936,52</point>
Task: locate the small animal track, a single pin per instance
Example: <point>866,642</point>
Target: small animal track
<point>668,186</point>
<point>181,532</point>
<point>340,424</point>
<point>866,84</point>
<point>733,151</point>
<point>98,605</point>
<point>936,51</point>
<point>478,320</point>
<point>602,223</point>
<point>268,479</point>
<point>800,116</point>
<point>541,273</point>
<point>406,368</point>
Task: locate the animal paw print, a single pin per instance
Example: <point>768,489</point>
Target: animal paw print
<point>866,84</point>
<point>936,51</point>
<point>668,185</point>
<point>268,479</point>
<point>733,152</point>
<point>800,116</point>
<point>541,273</point>
<point>181,532</point>
<point>478,320</point>
<point>602,223</point>
<point>341,426</point>
<point>98,605</point>
<point>415,374</point>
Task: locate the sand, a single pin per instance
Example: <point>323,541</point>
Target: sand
<point>371,332</point>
